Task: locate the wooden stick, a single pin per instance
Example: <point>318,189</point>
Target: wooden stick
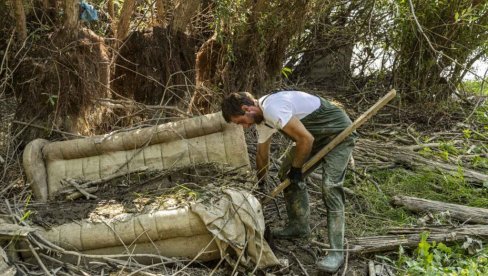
<point>76,195</point>
<point>346,260</point>
<point>81,190</point>
<point>87,185</point>
<point>300,264</point>
<point>337,140</point>
<point>39,261</point>
<point>371,269</point>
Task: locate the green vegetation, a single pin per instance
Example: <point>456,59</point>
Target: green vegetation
<point>435,37</point>
<point>439,259</point>
<point>475,87</point>
<point>371,213</point>
<point>371,208</point>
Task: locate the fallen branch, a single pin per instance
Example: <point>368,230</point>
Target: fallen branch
<point>77,195</point>
<point>112,176</point>
<point>415,161</point>
<point>300,265</point>
<point>125,104</point>
<point>429,145</point>
<point>10,230</point>
<point>46,128</point>
<point>368,153</point>
<point>371,269</point>
<point>81,190</point>
<point>410,237</point>
<point>392,242</point>
<point>39,261</point>
<point>88,184</point>
<point>460,212</point>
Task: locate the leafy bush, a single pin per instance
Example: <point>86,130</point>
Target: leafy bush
<point>440,259</point>
<point>475,87</point>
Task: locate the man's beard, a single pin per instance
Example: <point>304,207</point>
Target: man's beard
<point>258,118</point>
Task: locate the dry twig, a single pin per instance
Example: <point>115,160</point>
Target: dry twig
<point>81,190</point>
<point>300,264</point>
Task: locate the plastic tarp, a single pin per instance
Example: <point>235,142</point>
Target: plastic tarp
<point>237,222</point>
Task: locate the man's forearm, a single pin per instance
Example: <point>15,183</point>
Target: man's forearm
<point>302,152</point>
<point>303,139</point>
<point>262,164</point>
<point>262,159</point>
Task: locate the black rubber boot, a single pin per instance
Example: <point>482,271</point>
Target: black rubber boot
<point>298,211</point>
<point>334,260</point>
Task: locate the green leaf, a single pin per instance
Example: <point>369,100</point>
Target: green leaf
<point>444,248</point>
<point>286,71</point>
<point>26,215</point>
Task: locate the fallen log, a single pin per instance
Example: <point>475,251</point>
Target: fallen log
<point>9,231</point>
<point>368,153</point>
<point>459,212</point>
<point>418,162</point>
<point>410,237</point>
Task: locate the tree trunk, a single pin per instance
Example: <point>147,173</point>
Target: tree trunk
<point>206,67</point>
<point>20,24</point>
<point>252,50</point>
<point>428,71</point>
<point>411,237</point>
<point>459,212</point>
<point>111,9</point>
<point>326,50</point>
<point>327,60</point>
<point>330,67</point>
<point>71,9</point>
<point>370,153</point>
<point>124,22</point>
<point>161,12</point>
<point>66,89</point>
<point>184,11</point>
<point>50,8</point>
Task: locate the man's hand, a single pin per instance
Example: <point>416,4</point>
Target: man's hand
<point>295,175</point>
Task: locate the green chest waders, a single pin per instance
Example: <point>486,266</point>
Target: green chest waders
<point>323,124</point>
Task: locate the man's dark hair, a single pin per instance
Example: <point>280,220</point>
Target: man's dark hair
<point>232,104</point>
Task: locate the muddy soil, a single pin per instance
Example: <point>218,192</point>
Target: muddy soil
<point>142,193</point>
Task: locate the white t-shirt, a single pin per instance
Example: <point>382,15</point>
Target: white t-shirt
<point>279,107</point>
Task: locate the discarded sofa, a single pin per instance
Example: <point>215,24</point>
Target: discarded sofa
<point>197,140</point>
<point>201,231</point>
